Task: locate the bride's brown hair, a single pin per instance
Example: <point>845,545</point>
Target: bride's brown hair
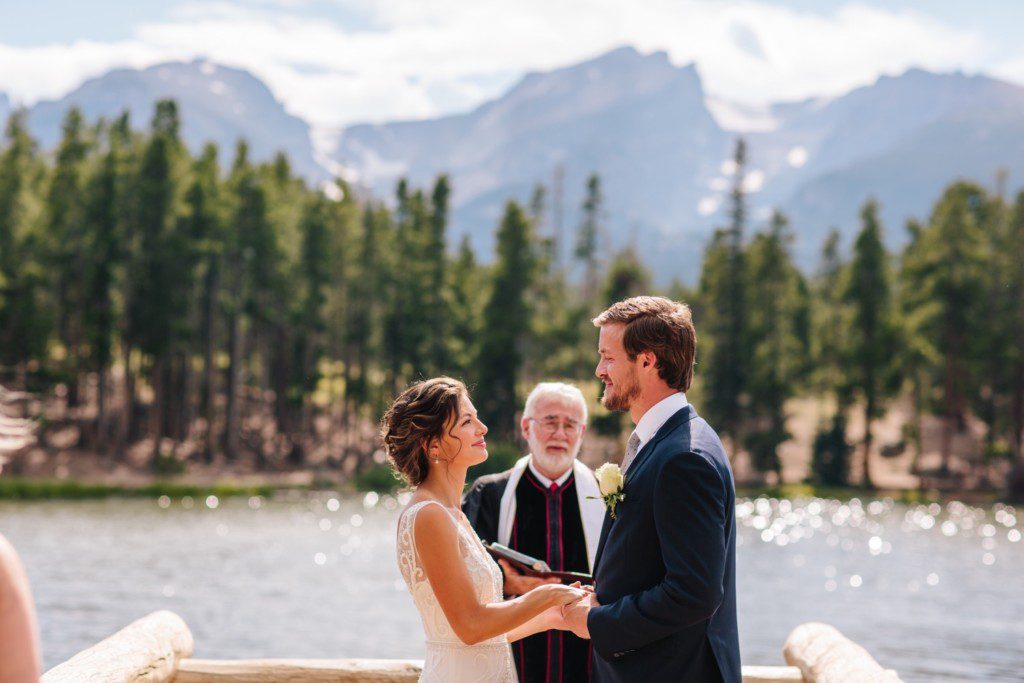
<point>418,416</point>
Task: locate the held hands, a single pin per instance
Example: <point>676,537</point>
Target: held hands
<point>557,595</point>
<point>519,584</point>
<point>566,596</point>
<point>562,601</point>
<point>575,614</point>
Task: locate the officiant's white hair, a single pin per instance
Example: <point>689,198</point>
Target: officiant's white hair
<point>560,390</point>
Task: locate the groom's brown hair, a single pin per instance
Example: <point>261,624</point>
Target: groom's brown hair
<point>661,326</point>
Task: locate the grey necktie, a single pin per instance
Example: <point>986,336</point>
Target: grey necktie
<point>632,446</point>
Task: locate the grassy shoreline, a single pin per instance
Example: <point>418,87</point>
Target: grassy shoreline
<point>36,489</point>
<point>21,489</point>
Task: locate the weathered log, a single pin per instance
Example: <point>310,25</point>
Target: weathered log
<point>146,650</point>
<point>824,655</point>
<point>772,674</point>
<point>305,670</point>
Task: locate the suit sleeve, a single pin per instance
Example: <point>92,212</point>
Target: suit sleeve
<point>689,517</point>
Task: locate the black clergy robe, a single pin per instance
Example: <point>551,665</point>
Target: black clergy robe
<point>547,525</point>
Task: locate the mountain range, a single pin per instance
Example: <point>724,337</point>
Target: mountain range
<point>659,141</point>
<point>217,104</point>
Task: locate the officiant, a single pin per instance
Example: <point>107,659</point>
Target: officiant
<point>543,507</point>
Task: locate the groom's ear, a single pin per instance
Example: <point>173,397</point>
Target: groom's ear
<point>648,360</point>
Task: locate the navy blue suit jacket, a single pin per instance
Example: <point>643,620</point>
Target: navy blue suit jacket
<point>665,571</point>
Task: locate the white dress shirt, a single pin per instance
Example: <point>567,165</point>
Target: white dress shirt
<point>544,480</point>
<point>657,415</point>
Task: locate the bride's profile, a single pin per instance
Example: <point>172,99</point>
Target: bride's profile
<point>432,435</point>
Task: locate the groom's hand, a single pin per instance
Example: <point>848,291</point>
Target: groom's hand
<point>519,584</point>
<point>575,615</point>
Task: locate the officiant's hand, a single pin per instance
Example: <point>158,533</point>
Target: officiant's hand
<point>575,615</point>
<point>519,584</point>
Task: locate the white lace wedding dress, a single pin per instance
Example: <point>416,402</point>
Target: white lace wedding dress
<point>448,659</point>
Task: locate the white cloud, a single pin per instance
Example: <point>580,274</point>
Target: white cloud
<point>708,205</point>
<point>797,156</point>
<point>1012,70</point>
<point>49,71</point>
<point>753,181</point>
<point>420,59</point>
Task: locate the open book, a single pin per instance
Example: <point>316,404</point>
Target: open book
<point>531,566</point>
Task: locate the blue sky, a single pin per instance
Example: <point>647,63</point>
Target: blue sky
<point>334,62</point>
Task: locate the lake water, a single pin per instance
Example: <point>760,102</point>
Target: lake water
<point>934,592</point>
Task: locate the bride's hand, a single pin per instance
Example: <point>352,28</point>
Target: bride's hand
<point>553,619</point>
<point>556,595</point>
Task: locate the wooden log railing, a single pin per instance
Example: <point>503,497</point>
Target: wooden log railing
<point>824,655</point>
<point>158,647</point>
<point>149,649</point>
<point>295,670</point>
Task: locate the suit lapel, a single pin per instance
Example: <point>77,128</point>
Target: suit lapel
<point>684,414</point>
<point>681,416</point>
<point>605,528</point>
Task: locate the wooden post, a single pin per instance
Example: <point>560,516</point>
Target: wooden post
<point>824,655</point>
<point>146,650</point>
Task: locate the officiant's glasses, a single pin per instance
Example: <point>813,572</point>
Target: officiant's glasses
<point>551,425</point>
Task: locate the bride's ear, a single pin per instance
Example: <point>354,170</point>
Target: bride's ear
<point>432,449</point>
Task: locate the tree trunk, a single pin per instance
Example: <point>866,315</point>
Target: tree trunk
<point>156,376</point>
<point>1016,478</point>
<point>1017,411</point>
<point>231,418</point>
<point>127,422</point>
<point>101,408</point>
<point>183,403</point>
<point>866,479</point>
<point>915,465</point>
<point>279,380</point>
<point>208,335</point>
<point>949,421</point>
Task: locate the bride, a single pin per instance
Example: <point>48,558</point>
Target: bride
<point>433,435</point>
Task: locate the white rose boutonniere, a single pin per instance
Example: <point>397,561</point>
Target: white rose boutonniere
<point>610,482</point>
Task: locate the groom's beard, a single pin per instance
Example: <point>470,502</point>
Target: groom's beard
<point>622,396</point>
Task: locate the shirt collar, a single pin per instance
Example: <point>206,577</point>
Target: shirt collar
<point>544,480</point>
<point>657,415</point>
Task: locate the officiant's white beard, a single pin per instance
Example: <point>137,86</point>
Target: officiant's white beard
<point>552,462</point>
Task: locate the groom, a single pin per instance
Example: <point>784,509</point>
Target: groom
<point>665,573</point>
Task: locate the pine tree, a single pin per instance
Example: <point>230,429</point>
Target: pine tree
<point>828,374</point>
<point>991,343</point>
<point>588,236</point>
<point>506,324</point>
<point>102,258</point>
<point>158,315</point>
<point>24,318</point>
<point>278,259</point>
<point>872,334</point>
<point>436,290</point>
<point>205,228</point>
<point>65,203</point>
<point>366,311</point>
<point>467,301</point>
<point>723,288</point>
<point>777,301</point>
<point>626,277</point>
<point>308,320</point>
<point>1014,294</point>
<point>944,273</point>
<point>248,219</point>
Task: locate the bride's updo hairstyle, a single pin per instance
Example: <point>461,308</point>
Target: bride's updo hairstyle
<point>418,416</point>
